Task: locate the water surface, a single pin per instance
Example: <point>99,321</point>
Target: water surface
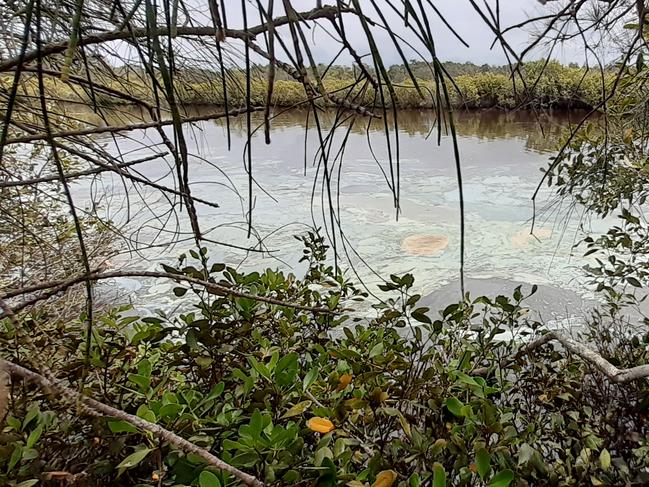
<point>501,157</point>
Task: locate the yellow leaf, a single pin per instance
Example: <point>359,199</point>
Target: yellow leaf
<point>344,381</point>
<point>320,425</point>
<point>385,478</point>
<point>297,409</point>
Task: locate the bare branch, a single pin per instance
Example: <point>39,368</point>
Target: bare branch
<point>54,288</point>
<point>326,12</point>
<point>619,376</point>
<point>99,409</point>
<point>128,127</point>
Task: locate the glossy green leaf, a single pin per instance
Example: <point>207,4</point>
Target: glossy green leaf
<point>134,459</point>
<point>208,479</point>
<point>483,462</point>
<point>502,479</point>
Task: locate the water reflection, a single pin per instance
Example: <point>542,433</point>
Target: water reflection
<point>541,131</point>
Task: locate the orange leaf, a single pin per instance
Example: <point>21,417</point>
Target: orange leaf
<point>345,380</point>
<point>320,425</point>
<point>385,478</point>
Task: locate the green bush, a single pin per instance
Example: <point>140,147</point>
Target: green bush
<point>297,398</point>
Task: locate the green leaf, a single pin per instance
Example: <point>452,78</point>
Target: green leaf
<point>180,291</point>
<point>140,380</point>
<point>310,377</point>
<point>483,462</point>
<point>121,427</point>
<point>414,480</point>
<point>286,370</point>
<point>376,350</point>
<point>192,340</point>
<point>633,281</point>
<point>16,455</point>
<point>256,424</point>
<point>34,436</point>
<point>605,459</point>
<point>208,479</point>
<point>134,459</point>
<point>170,410</point>
<point>31,414</point>
<point>29,454</point>
<point>454,405</point>
<point>145,413</point>
<point>247,459</point>
<point>259,367</point>
<point>525,453</point>
<point>420,315</point>
<point>439,476</point>
<point>144,368</point>
<point>27,483</point>
<point>297,409</point>
<point>502,479</point>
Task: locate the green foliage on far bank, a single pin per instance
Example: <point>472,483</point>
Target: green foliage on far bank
<point>535,85</point>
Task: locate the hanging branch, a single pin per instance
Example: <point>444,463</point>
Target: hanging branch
<point>327,12</point>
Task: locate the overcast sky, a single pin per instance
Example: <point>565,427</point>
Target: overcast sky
<point>459,13</point>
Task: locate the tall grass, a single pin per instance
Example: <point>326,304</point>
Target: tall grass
<point>536,85</point>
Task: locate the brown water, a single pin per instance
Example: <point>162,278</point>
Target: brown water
<point>501,154</point>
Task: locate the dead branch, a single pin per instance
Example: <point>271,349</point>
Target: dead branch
<point>128,127</point>
<point>99,409</point>
<point>79,174</point>
<point>619,376</point>
<point>54,288</point>
<point>326,12</point>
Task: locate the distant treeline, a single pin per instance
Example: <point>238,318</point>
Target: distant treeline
<point>538,84</point>
<point>535,84</point>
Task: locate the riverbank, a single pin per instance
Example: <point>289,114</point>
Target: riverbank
<point>535,86</point>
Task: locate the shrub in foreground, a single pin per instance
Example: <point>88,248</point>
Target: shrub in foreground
<point>297,398</point>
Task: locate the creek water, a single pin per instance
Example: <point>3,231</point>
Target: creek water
<point>501,156</point>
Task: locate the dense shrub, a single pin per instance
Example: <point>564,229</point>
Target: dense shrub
<point>303,399</point>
